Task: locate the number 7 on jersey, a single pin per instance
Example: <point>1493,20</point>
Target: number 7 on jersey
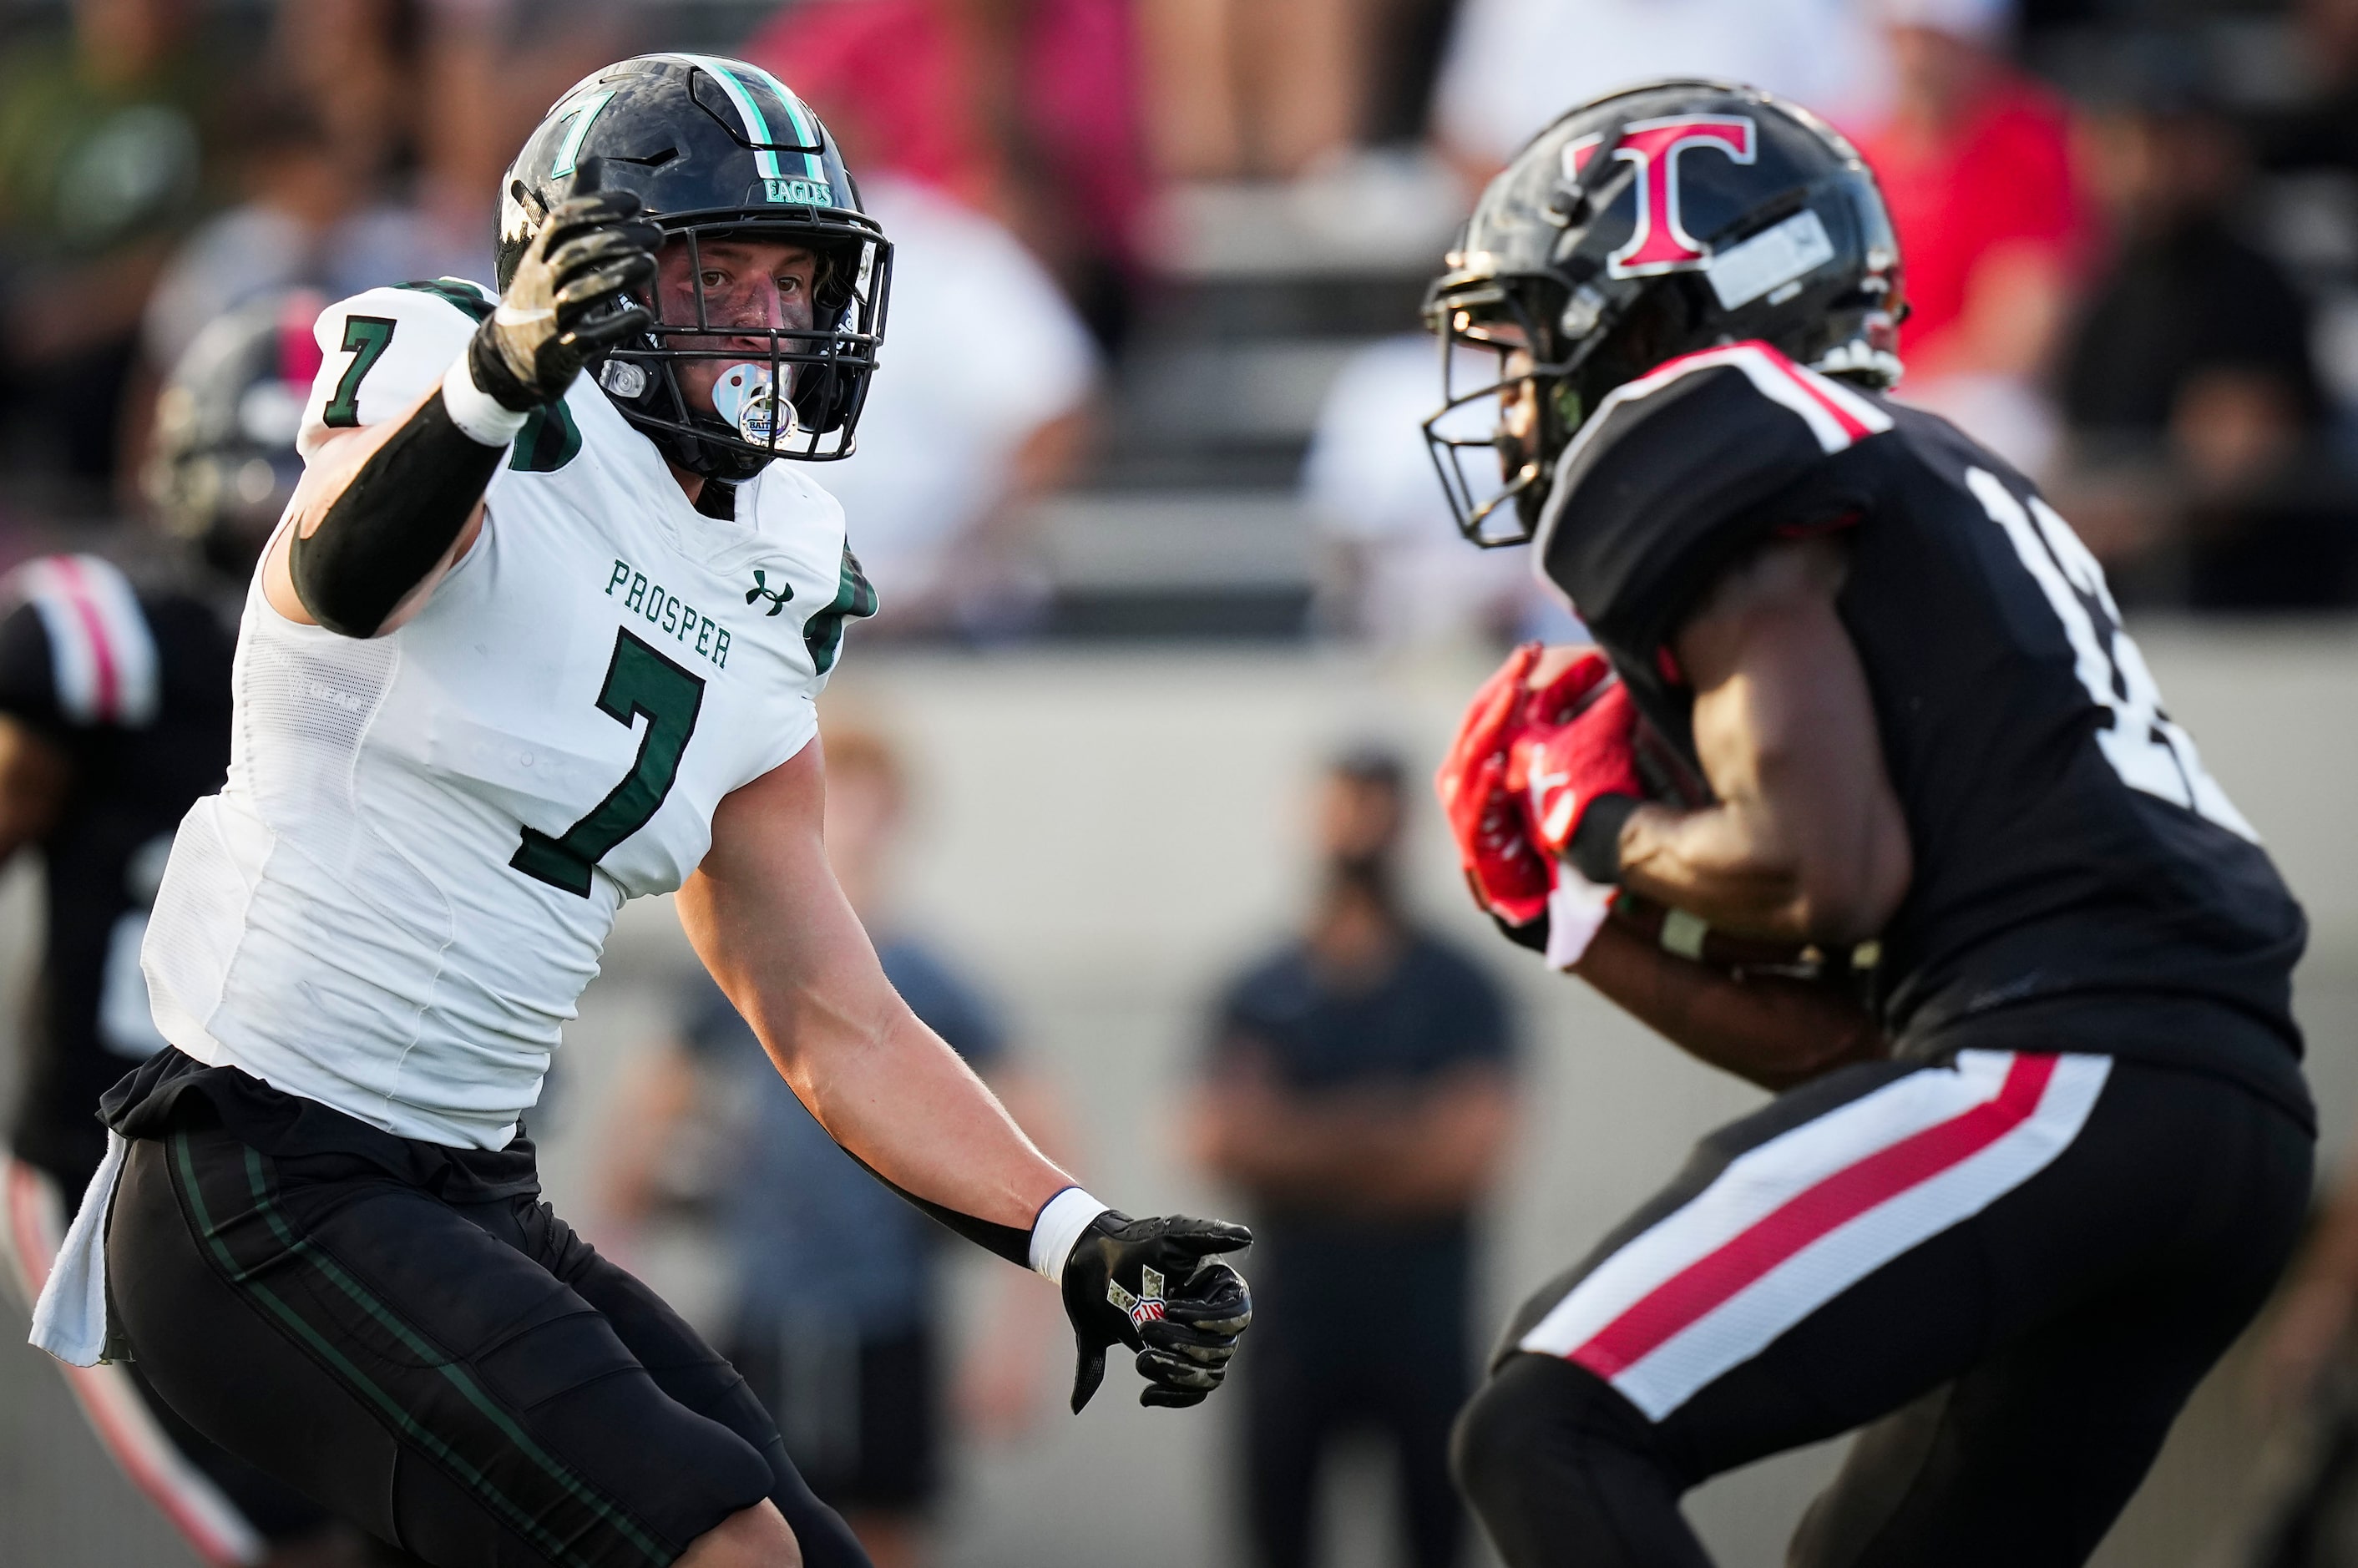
<point>638,681</point>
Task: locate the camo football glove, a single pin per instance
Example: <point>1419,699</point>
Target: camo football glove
<point>570,299</point>
<point>1155,1285</point>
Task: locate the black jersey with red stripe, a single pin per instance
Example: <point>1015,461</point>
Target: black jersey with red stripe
<point>133,689</point>
<point>2069,846</point>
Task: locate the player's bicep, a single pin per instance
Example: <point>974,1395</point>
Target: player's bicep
<point>334,459</point>
<point>765,914</point>
<point>1784,725</point>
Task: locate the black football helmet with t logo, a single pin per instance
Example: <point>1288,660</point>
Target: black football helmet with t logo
<point>1649,224</point>
<point>719,149</point>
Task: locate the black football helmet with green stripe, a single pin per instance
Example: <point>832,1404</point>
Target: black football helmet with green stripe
<point>720,148</point>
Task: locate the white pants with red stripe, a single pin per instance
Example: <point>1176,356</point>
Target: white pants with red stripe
<point>2025,1261</point>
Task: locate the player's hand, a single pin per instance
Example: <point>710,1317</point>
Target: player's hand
<point>570,299</point>
<point>1578,747</point>
<point>1155,1285</point>
<point>1510,876</point>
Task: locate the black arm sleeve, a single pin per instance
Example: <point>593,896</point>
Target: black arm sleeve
<point>392,523</point>
<point>1009,1243</point>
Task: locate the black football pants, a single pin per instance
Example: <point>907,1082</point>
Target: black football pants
<point>472,1384</point>
<point>2016,1267</point>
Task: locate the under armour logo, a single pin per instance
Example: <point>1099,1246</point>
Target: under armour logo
<point>762,589</point>
<point>1140,1309</point>
<point>1659,241</point>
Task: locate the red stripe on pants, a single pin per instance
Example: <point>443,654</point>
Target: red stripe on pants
<point>1702,1285</point>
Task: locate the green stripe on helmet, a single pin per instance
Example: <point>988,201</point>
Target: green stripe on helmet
<point>806,129</point>
<point>812,187</point>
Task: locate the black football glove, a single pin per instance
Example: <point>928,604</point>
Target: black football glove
<point>570,299</point>
<point>1152,1285</point>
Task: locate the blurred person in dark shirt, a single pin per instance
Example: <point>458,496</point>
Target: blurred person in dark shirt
<point>2195,408</point>
<point>1359,1092</point>
<point>839,1293</point>
<point>102,140</point>
<point>1974,160</point>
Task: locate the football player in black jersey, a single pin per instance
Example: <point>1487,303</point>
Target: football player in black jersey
<point>2042,1140</point>
<point>114,716</point>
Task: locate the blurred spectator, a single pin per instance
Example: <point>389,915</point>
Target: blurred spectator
<point>1976,163</point>
<point>371,155</point>
<point>2196,418</point>
<point>1026,110</point>
<point>358,65</point>
<point>308,217</point>
<point>838,1295</point>
<point>2321,131</point>
<point>1398,574</point>
<point>1280,87</point>
<point>486,70</point>
<point>1514,66</point>
<point>1357,1092</point>
<point>980,409</point>
<point>101,134</point>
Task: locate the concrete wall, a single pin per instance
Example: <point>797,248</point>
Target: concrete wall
<point>1103,834</point>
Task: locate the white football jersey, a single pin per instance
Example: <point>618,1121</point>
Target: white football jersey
<point>395,900</point>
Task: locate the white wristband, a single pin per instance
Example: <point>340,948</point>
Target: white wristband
<point>1062,1220</point>
<point>483,417</point>
<point>1576,909</point>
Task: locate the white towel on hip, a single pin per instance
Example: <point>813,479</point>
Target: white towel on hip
<point>69,1320</point>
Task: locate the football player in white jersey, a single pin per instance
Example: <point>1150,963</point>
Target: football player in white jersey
<point>527,644</point>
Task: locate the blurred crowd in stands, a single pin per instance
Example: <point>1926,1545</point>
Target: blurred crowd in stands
<point>2131,229</point>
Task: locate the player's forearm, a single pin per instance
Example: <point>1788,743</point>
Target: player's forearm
<point>389,512</point>
<point>902,1102</point>
<point>1751,869</point>
<point>768,918</point>
<point>885,1086</point>
<point>1719,866</point>
<point>1769,1029</point>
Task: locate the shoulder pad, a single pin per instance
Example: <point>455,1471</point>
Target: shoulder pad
<point>101,650</point>
<point>382,349</point>
<point>1680,468</point>
<point>473,298</point>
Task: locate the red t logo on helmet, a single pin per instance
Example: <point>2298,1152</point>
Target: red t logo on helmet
<point>1659,242</point>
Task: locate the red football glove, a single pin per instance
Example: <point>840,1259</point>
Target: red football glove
<point>1578,743</point>
<point>1509,878</point>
